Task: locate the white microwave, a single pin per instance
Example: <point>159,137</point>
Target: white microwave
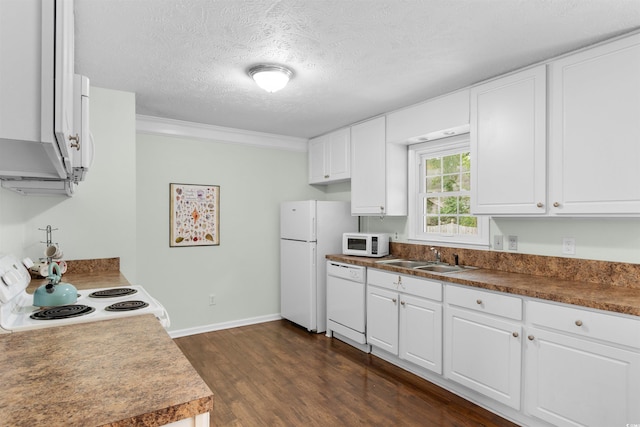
<point>365,244</point>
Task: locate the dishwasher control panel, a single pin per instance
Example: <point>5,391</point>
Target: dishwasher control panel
<point>354,273</point>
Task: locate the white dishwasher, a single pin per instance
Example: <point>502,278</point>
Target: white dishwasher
<point>346,309</point>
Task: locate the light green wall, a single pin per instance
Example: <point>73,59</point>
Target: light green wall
<point>605,239</point>
<point>99,220</point>
<point>244,270</point>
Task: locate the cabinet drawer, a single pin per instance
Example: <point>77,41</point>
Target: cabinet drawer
<point>600,326</point>
<point>485,302</point>
<point>406,284</point>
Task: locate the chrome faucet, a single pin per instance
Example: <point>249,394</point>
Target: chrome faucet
<point>437,253</point>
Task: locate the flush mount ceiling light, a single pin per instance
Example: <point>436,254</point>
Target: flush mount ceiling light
<point>271,78</point>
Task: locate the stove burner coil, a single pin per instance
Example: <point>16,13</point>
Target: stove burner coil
<point>112,293</point>
<point>127,306</point>
<point>62,312</point>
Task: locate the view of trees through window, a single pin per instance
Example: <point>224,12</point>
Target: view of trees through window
<point>446,196</point>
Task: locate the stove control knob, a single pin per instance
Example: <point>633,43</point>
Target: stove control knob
<point>10,278</point>
<point>27,262</point>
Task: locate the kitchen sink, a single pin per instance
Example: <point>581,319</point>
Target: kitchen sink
<point>443,268</point>
<point>425,265</point>
<point>405,263</point>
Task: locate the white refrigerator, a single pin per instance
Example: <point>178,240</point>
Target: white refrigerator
<point>309,230</point>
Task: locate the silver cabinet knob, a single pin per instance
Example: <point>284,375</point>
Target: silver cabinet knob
<point>515,335</point>
<point>578,322</point>
<point>556,204</point>
<point>394,300</point>
<point>326,176</point>
<point>540,204</point>
<point>531,337</point>
<point>478,301</point>
<point>402,303</point>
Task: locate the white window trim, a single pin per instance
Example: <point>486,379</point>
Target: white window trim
<point>438,148</point>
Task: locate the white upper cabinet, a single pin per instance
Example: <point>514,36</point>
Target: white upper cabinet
<point>508,141</point>
<point>330,157</point>
<point>64,76</point>
<point>590,163</point>
<point>594,137</point>
<point>378,171</point>
<point>36,89</point>
<point>433,119</point>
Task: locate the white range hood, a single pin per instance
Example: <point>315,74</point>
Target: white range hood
<point>45,145</point>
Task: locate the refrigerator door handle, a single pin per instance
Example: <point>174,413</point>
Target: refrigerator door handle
<point>314,230</point>
<point>313,256</point>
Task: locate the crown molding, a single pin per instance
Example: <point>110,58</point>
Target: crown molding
<point>179,128</point>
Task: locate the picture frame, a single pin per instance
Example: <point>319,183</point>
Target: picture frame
<point>194,212</point>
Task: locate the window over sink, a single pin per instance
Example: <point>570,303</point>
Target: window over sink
<point>440,194</point>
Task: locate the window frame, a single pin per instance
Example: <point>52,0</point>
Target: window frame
<point>416,182</point>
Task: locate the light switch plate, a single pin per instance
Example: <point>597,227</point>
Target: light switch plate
<point>498,242</point>
<point>568,246</point>
<point>513,243</point>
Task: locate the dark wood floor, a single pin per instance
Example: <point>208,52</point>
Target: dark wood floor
<point>277,374</point>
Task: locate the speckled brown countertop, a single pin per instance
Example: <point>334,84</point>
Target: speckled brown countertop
<point>103,279</point>
<point>87,274</point>
<point>119,372</point>
<point>610,297</point>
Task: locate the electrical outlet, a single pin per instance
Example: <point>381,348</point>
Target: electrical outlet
<point>568,245</point>
<point>513,243</point>
<point>498,242</point>
<point>212,299</point>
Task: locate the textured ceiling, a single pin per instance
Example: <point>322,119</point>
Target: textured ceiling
<point>352,59</point>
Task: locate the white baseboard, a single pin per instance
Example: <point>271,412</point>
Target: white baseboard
<point>224,325</point>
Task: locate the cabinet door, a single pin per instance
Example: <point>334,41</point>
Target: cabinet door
<point>317,156</point>
<point>594,130</point>
<point>574,382</point>
<point>508,144</point>
<point>64,88</point>
<point>368,182</point>
<point>339,155</point>
<point>382,319</point>
<point>330,157</point>
<point>421,332</point>
<point>484,354</point>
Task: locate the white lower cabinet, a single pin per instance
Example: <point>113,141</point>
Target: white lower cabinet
<point>382,319</point>
<point>404,317</point>
<point>421,332</point>
<point>552,364</point>
<point>483,348</point>
<point>582,367</point>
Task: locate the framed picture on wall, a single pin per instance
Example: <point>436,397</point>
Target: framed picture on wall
<point>194,215</point>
